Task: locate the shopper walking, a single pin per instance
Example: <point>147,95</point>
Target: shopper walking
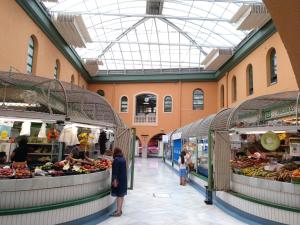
<point>119,179</point>
<point>182,168</point>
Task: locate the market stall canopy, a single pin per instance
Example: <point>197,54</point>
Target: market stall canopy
<point>203,129</point>
<point>280,109</point>
<point>192,129</point>
<point>220,120</point>
<point>23,95</point>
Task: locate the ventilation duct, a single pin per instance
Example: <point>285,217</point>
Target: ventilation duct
<point>72,28</point>
<point>92,65</point>
<point>216,58</point>
<point>252,16</point>
<point>154,7</point>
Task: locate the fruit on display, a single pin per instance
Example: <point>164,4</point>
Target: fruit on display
<point>296,173</point>
<point>56,173</point>
<point>103,164</point>
<point>47,166</point>
<point>52,134</point>
<point>59,165</point>
<point>284,175</point>
<point>6,172</point>
<point>19,165</point>
<point>22,173</point>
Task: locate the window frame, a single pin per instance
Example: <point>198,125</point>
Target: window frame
<point>31,55</point>
<point>233,89</point>
<point>222,96</point>
<point>201,106</point>
<point>273,67</point>
<point>171,108</point>
<point>57,70</point>
<point>121,104</point>
<point>250,85</point>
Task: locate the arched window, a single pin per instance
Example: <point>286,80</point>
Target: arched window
<point>249,79</point>
<point>272,64</point>
<point>233,89</point>
<point>31,55</point>
<point>100,92</point>
<point>168,104</point>
<point>222,102</point>
<point>56,70</point>
<point>198,99</point>
<point>124,104</point>
<point>72,79</point>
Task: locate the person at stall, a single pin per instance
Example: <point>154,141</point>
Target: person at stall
<point>3,158</point>
<point>119,179</point>
<point>20,153</point>
<point>102,142</point>
<point>182,168</point>
<point>78,156</point>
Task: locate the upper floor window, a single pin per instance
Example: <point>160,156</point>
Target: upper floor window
<point>56,70</point>
<point>222,104</point>
<point>124,104</point>
<point>31,54</point>
<point>198,99</point>
<point>168,104</point>
<point>233,89</point>
<point>100,92</point>
<point>272,71</point>
<point>72,79</point>
<point>249,79</point>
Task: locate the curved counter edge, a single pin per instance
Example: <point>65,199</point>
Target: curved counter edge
<point>68,212</point>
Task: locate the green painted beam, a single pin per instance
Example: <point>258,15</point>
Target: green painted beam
<point>40,16</point>
<point>6,212</point>
<point>150,78</point>
<point>247,47</point>
<point>266,203</point>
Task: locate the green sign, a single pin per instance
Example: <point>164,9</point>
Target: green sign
<point>279,112</point>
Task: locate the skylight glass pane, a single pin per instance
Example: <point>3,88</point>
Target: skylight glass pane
<point>124,40</point>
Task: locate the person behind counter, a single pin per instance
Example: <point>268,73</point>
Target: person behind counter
<point>76,155</point>
<point>3,158</point>
<point>20,153</point>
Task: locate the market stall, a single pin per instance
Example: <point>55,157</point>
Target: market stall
<point>256,158</point>
<point>61,171</point>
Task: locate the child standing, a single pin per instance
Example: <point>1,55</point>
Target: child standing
<point>182,168</point>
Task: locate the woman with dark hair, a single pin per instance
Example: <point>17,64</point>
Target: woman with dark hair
<point>182,168</point>
<point>20,153</point>
<point>119,180</point>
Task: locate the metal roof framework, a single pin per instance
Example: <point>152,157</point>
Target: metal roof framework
<point>153,34</point>
<point>41,98</point>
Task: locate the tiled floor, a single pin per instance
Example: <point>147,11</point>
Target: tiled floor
<point>158,199</point>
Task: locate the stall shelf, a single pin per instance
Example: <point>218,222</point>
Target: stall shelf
<point>258,181</point>
<point>53,200</point>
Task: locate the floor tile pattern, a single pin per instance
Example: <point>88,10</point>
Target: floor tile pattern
<point>158,199</point>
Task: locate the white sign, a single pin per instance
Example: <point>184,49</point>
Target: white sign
<point>165,138</point>
<point>176,136</point>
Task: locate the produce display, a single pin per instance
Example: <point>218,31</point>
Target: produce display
<point>260,168</point>
<point>6,173</point>
<point>20,170</point>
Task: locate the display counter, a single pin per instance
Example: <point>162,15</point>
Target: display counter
<point>56,199</point>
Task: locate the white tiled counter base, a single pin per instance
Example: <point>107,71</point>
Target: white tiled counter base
<point>58,216</point>
<point>259,210</point>
<point>25,193</point>
<point>273,191</point>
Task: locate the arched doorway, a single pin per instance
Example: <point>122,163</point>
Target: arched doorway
<point>155,146</point>
<point>138,147</point>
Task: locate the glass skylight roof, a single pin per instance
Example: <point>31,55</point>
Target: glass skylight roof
<point>124,37</point>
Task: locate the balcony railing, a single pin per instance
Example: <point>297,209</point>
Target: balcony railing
<point>145,119</point>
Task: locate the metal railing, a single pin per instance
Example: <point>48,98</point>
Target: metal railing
<point>145,119</point>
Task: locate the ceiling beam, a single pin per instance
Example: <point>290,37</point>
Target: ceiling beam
<point>141,15</point>
<point>184,34</point>
<point>122,35</point>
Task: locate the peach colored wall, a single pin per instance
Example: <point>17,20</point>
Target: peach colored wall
<point>286,80</point>
<point>17,27</point>
<point>181,93</point>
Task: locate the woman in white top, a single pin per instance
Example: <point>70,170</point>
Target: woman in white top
<point>182,168</point>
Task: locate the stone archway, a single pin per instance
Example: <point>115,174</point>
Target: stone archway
<point>154,146</point>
